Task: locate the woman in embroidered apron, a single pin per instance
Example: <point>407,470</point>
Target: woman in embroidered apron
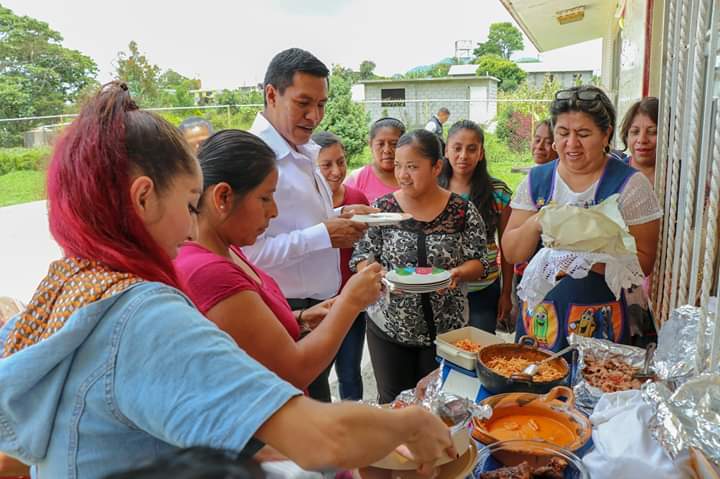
<point>446,232</point>
<point>583,175</point>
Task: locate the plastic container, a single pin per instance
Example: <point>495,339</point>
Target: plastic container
<point>465,359</point>
<point>536,453</point>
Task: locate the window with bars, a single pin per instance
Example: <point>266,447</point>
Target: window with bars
<point>392,97</point>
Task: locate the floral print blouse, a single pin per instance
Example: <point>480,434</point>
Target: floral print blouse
<point>457,235</point>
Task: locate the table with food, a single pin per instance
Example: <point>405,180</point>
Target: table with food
<point>600,410</point>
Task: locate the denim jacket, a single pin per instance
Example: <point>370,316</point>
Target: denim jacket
<point>129,378</point>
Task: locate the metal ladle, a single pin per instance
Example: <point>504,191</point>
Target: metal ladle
<point>532,369</point>
<point>645,373</point>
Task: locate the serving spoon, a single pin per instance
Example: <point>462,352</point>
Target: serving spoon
<point>532,369</point>
<point>645,373</point>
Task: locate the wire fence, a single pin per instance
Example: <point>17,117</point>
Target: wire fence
<point>494,114</point>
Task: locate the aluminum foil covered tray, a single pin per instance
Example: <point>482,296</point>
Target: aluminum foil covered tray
<point>594,352</point>
<point>675,357</point>
<point>688,417</point>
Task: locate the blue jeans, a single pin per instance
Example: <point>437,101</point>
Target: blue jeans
<point>347,361</point>
<point>484,307</point>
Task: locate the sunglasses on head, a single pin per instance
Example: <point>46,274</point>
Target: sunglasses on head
<point>577,95</point>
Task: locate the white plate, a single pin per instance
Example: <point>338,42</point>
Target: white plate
<point>438,275</point>
<point>382,219</point>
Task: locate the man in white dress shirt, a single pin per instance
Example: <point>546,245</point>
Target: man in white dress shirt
<point>300,247</point>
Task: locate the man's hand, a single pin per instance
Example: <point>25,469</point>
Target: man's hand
<point>359,210</point>
<point>343,232</point>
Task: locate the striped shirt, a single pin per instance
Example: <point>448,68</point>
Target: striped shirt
<point>501,199</point>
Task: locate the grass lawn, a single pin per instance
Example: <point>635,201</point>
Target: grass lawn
<point>21,187</point>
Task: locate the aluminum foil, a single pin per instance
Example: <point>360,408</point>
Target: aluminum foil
<point>454,410</point>
<point>688,417</point>
<point>586,395</point>
<point>674,360</point>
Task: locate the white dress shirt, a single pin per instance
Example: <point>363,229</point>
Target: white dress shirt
<point>295,249</point>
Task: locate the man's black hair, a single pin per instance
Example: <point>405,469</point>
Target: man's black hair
<point>285,64</point>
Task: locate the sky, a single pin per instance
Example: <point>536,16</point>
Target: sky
<point>229,43</point>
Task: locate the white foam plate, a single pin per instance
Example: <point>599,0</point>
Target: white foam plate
<point>436,277</point>
<point>381,219</point>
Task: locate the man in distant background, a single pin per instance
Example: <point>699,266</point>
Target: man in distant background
<point>435,125</point>
<point>196,130</point>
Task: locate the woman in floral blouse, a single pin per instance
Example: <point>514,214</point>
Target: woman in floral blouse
<point>446,232</point>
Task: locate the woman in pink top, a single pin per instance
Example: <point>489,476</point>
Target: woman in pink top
<point>378,178</point>
<point>239,177</point>
<point>333,166</point>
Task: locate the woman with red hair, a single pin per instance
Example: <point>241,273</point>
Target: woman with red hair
<point>110,364</point>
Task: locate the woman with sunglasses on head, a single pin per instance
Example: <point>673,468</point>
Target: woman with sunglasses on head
<point>583,175</point>
<point>111,365</point>
<point>378,178</point>
<point>466,173</point>
<point>445,232</point>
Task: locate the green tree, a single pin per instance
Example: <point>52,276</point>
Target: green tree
<point>141,76</point>
<point>509,74</point>
<point>344,117</point>
<point>367,70</point>
<point>38,76</point>
<point>503,40</point>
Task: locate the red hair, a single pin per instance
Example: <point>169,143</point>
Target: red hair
<point>88,183</point>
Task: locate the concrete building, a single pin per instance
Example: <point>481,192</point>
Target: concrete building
<point>566,75</point>
<point>413,101</point>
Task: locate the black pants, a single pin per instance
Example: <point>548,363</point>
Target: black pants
<point>397,367</point>
<point>320,388</point>
<point>484,307</point>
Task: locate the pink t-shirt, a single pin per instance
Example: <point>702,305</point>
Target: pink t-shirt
<point>211,278</point>
<point>352,197</point>
<point>369,184</point>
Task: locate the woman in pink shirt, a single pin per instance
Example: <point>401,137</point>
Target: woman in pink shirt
<point>378,178</point>
<point>239,177</point>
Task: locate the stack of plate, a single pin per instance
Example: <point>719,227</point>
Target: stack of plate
<point>382,219</point>
<point>419,280</point>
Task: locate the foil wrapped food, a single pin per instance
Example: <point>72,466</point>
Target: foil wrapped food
<point>687,417</point>
<point>675,357</point>
<point>455,411</point>
<point>587,395</point>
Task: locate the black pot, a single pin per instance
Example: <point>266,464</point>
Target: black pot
<point>527,348</point>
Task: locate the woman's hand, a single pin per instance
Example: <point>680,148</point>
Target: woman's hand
<point>505,307</point>
<point>313,315</point>
<point>364,287</point>
<point>431,440</point>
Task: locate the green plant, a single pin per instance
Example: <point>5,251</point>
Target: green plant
<point>23,159</point>
<point>344,117</point>
<point>509,74</point>
<point>503,39</point>
<point>359,160</point>
<point>21,187</point>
